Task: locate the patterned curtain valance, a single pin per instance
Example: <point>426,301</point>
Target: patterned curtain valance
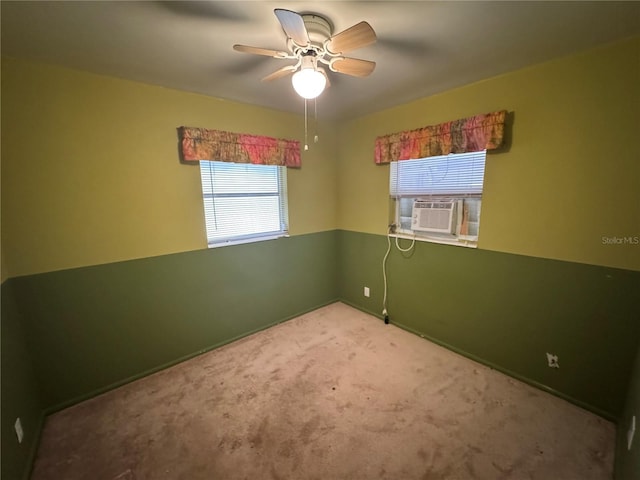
<point>201,144</point>
<point>480,132</point>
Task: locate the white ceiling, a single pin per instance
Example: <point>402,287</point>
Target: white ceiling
<point>423,47</point>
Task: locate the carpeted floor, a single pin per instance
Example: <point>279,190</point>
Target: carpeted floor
<point>333,394</point>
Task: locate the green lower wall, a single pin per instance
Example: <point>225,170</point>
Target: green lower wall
<point>70,334</point>
<point>507,311</point>
<point>94,327</point>
<point>20,393</point>
<point>628,461</point>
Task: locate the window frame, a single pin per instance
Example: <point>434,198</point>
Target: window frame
<point>250,237</point>
<point>396,229</point>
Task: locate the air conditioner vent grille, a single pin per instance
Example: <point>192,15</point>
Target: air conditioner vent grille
<point>433,216</point>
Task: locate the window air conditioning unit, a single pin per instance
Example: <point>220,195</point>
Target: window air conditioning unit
<point>433,216</point>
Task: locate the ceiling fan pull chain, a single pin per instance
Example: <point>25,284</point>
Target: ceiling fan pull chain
<point>306,144</point>
<point>315,119</point>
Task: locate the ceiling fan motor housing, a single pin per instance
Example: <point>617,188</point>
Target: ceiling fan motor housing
<point>318,27</point>
<point>310,41</point>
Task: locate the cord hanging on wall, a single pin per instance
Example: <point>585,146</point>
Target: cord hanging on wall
<point>391,230</point>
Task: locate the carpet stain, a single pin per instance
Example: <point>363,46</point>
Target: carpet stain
<point>309,428</point>
<point>256,439</point>
<point>422,455</point>
<point>286,449</point>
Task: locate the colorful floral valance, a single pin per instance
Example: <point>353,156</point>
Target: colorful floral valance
<point>201,144</point>
<point>480,132</point>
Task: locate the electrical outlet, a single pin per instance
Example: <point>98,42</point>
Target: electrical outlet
<point>367,293</point>
<point>19,432</point>
<point>552,360</point>
<point>631,432</point>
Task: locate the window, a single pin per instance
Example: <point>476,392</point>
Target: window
<point>439,199</point>
<point>243,202</point>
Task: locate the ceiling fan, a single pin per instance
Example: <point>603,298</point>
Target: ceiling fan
<point>311,43</point>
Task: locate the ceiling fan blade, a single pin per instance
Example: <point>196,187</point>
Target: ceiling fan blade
<point>353,66</point>
<point>281,72</point>
<point>293,25</point>
<point>260,51</point>
<point>357,36</point>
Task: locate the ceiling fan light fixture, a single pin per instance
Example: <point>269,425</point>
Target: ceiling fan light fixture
<point>310,40</point>
<point>308,82</point>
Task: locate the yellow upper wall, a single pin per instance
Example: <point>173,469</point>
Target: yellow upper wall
<point>90,169</point>
<point>570,177</point>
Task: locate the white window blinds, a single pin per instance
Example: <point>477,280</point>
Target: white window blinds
<point>243,201</point>
<point>446,175</point>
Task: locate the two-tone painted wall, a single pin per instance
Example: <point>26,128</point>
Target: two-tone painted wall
<point>567,177</point>
<point>557,267</point>
<point>106,270</point>
<point>107,274</point>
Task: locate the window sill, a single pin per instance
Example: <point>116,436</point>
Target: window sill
<point>431,239</point>
<point>242,241</point>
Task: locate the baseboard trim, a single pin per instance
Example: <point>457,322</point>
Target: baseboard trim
<point>602,413</point>
<point>362,309</point>
<point>138,376</point>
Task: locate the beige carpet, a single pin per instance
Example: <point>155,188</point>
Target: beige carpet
<point>333,394</point>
